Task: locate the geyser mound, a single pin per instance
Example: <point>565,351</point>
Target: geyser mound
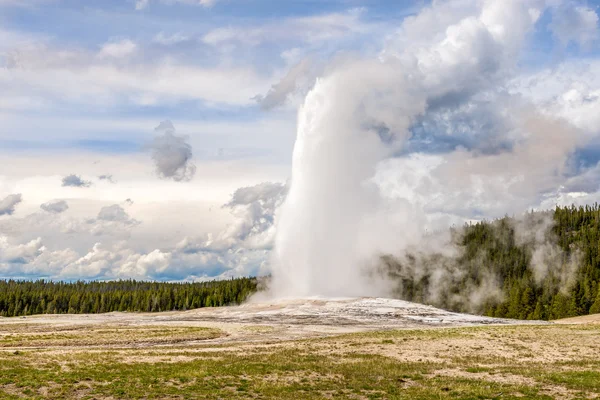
<point>363,312</point>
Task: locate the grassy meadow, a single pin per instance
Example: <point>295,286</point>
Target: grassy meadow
<point>165,362</point>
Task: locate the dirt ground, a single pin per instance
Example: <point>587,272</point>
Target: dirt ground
<point>586,319</point>
<point>312,348</point>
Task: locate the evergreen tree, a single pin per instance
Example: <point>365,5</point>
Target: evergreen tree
<point>26,298</point>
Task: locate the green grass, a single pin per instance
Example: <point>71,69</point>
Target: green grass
<point>382,365</point>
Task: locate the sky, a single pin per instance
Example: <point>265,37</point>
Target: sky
<point>153,139</point>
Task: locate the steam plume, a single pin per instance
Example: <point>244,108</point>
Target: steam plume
<point>335,222</point>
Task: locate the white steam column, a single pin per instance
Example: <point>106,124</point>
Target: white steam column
<point>322,245</point>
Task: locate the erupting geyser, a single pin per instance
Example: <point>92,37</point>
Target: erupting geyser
<point>326,227</point>
<point>442,67</point>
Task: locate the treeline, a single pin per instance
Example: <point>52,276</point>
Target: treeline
<point>544,265</point>
<point>19,298</point>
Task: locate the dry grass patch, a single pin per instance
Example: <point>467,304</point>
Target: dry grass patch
<point>88,336</point>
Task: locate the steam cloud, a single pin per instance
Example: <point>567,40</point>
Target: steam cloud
<point>279,92</point>
<point>344,209</point>
<point>172,154</point>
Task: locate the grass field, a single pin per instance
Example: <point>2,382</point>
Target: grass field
<point>122,362</point>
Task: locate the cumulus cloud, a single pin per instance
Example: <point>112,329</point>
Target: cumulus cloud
<point>118,260</point>
<point>118,49</point>
<point>8,204</point>
<point>168,40</point>
<point>111,221</point>
<point>70,233</point>
<point>172,154</point>
<point>55,206</point>
<point>114,213</point>
<point>19,254</point>
<point>254,210</point>
<point>75,181</point>
<point>578,24</point>
<point>141,4</point>
<point>312,29</point>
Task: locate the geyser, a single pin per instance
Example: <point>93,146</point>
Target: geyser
<point>334,225</point>
<point>323,245</point>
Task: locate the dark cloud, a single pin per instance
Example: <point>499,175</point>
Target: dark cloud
<point>55,206</point>
<point>172,154</point>
<point>75,181</point>
<point>108,178</point>
<point>8,204</point>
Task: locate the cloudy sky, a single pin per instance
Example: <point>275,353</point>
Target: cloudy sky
<point>153,139</point>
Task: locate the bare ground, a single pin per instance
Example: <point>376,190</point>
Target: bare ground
<point>341,348</point>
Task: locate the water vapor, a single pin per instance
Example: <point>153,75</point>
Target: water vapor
<point>444,65</point>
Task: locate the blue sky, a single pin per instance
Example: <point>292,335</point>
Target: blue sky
<point>85,84</point>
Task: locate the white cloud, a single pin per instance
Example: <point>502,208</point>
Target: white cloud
<point>169,40</point>
<point>254,210</point>
<point>576,24</point>
<point>55,206</point>
<point>84,81</point>
<point>311,29</point>
<point>118,49</point>
<point>25,3</point>
<point>240,249</point>
<point>142,4</point>
<point>204,3</point>
<point>570,90</point>
<point>75,181</point>
<point>8,204</point>
<point>20,254</point>
<point>115,213</point>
